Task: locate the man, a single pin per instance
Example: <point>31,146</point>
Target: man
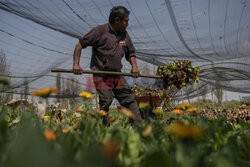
<point>110,42</point>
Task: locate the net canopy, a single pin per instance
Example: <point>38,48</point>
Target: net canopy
<point>215,35</point>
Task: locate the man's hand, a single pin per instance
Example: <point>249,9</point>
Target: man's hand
<point>77,69</point>
<point>135,71</point>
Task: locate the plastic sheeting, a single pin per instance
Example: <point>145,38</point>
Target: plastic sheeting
<point>214,34</point>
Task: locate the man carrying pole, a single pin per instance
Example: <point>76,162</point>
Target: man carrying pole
<point>110,42</point>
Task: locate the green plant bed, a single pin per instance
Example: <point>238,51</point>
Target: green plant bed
<point>81,140</point>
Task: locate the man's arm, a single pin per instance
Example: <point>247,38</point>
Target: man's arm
<point>134,70</point>
<point>76,59</point>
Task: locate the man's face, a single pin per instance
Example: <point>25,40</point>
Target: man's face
<point>122,25</point>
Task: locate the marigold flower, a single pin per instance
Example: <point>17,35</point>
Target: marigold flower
<point>111,148</point>
<point>183,106</point>
<point>103,113</point>
<point>176,111</point>
<point>207,104</point>
<point>87,95</point>
<point>143,105</point>
<point>147,131</point>
<point>50,135</point>
<point>65,130</point>
<point>243,106</point>
<point>128,113</point>
<point>184,131</point>
<point>192,110</point>
<point>54,90</point>
<point>44,92</point>
<point>79,109</point>
<point>158,111</point>
<point>46,117</point>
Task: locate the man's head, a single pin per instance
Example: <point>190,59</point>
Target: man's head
<point>118,18</point>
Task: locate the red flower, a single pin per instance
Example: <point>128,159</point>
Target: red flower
<point>121,107</point>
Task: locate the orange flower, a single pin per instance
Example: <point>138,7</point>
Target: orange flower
<point>128,113</point>
<point>44,92</point>
<point>183,106</point>
<point>65,130</point>
<point>79,109</point>
<point>178,111</point>
<point>192,110</point>
<point>184,131</point>
<point>50,135</point>
<point>111,148</point>
<point>54,90</point>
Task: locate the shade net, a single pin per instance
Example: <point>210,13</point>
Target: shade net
<point>215,35</point>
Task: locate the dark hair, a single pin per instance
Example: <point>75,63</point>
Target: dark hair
<point>118,11</point>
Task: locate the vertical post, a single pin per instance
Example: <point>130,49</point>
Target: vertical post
<point>97,100</point>
<point>182,95</point>
<point>212,93</point>
<point>197,89</point>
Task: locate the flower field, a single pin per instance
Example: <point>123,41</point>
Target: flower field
<point>186,137</point>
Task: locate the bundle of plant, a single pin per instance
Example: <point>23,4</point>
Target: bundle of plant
<point>178,74</point>
<point>146,89</point>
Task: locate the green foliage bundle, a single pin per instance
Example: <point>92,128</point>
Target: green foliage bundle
<point>178,74</point>
<point>145,89</point>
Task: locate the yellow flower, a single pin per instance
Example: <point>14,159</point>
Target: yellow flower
<point>143,105</point>
<point>176,111</point>
<point>207,104</point>
<point>46,117</point>
<point>158,111</point>
<point>87,95</point>
<point>65,130</point>
<point>243,106</point>
<point>44,92</point>
<point>184,131</point>
<point>103,113</point>
<point>183,106</point>
<point>147,131</point>
<point>192,110</point>
<point>50,135</point>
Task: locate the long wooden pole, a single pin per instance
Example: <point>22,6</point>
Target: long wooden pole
<point>102,72</point>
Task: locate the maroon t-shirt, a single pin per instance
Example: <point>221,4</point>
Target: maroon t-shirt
<point>108,47</point>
